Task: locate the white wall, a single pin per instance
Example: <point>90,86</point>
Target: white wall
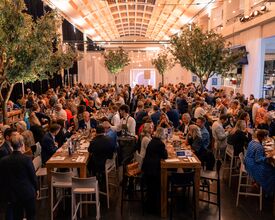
<point>91,70</point>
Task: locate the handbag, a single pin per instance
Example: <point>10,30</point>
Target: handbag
<point>133,169</point>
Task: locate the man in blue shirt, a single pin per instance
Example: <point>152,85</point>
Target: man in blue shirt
<point>156,115</point>
<point>173,116</point>
<point>110,133</point>
<point>204,133</point>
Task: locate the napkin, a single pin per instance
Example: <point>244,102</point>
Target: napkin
<point>57,158</point>
<point>80,159</point>
<point>192,159</point>
<point>172,160</point>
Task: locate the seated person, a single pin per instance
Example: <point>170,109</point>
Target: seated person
<point>173,115</point>
<point>256,163</point>
<point>109,132</point>
<point>101,149</point>
<point>155,115</point>
<point>268,124</point>
<point>43,118</point>
<point>60,113</point>
<point>21,127</point>
<point>164,121</point>
<point>199,110</point>
<point>194,139</point>
<point>200,122</point>
<point>238,137</point>
<point>36,128</point>
<point>186,121</point>
<point>145,138</point>
<point>48,144</point>
<point>63,133</point>
<point>87,122</point>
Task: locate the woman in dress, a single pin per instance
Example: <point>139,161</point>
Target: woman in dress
<point>256,163</point>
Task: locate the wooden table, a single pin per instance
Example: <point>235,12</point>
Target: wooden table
<point>68,162</point>
<point>164,173</point>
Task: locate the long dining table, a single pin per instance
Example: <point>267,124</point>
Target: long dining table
<point>77,159</point>
<point>174,162</point>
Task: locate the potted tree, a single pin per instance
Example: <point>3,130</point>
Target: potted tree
<point>115,61</point>
<point>29,50</point>
<point>203,53</point>
<point>162,63</point>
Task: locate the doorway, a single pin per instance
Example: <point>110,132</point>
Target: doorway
<point>143,77</point>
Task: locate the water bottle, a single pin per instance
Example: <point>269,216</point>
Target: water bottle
<point>70,149</point>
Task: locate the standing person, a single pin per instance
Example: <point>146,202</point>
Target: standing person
<point>101,149</point>
<point>6,148</point>
<point>155,152</point>
<point>127,123</point>
<point>115,118</point>
<point>48,144</point>
<point>18,182</point>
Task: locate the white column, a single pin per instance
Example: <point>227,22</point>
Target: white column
<point>252,82</point>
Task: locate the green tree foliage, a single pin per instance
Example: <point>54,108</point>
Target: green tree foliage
<point>115,61</point>
<point>203,53</point>
<point>29,50</point>
<point>162,63</point>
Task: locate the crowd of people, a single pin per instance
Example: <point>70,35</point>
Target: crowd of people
<point>209,121</point>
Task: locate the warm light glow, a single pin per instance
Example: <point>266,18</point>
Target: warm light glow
<point>152,48</point>
<point>78,21</point>
<point>184,19</point>
<point>166,37</point>
<point>63,5</point>
<point>90,31</point>
<point>174,31</point>
<point>97,38</point>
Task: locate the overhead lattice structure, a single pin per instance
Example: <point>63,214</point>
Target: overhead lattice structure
<point>116,19</point>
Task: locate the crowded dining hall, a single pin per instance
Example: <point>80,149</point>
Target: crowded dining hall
<point>137,109</point>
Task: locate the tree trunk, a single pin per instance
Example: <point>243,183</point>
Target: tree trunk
<point>201,84</point>
<point>116,84</point>
<point>162,79</point>
<point>5,102</point>
<point>116,80</point>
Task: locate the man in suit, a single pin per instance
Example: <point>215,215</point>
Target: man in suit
<point>101,149</point>
<point>18,182</point>
<point>87,122</point>
<point>6,148</point>
<point>48,144</point>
